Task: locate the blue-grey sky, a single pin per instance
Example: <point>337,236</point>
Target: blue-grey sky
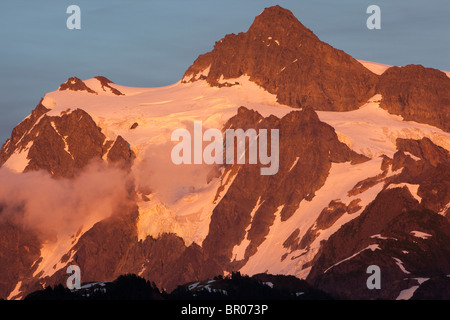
<point>151,43</point>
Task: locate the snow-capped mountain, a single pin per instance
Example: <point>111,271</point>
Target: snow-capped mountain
<point>363,177</point>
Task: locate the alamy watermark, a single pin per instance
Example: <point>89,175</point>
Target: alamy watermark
<point>374,21</point>
<point>213,153</point>
<point>374,281</point>
<point>74,281</point>
<point>74,20</point>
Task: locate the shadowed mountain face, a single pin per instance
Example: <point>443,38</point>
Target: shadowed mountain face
<point>326,215</point>
<point>287,59</point>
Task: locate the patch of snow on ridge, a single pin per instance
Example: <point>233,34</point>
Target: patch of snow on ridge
<point>379,236</point>
<point>408,293</point>
<point>66,145</point>
<point>15,294</point>
<point>420,234</point>
<point>444,210</point>
<point>372,247</point>
<point>375,67</point>
<point>294,164</point>
<point>412,156</point>
<point>413,189</point>
<point>400,265</point>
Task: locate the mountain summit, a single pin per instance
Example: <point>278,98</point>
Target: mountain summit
<point>287,59</point>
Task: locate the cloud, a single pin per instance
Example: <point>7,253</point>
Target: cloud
<point>157,174</point>
<point>53,206</point>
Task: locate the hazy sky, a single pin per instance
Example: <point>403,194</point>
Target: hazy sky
<point>151,43</point>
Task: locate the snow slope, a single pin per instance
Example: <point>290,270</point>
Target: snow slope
<point>372,131</point>
<point>375,67</point>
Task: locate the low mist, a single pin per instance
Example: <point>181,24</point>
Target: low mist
<point>50,206</point>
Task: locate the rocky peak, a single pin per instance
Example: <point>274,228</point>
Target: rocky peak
<point>75,84</point>
<point>284,57</point>
<point>280,22</point>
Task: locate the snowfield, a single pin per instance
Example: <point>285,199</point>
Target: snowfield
<point>180,199</point>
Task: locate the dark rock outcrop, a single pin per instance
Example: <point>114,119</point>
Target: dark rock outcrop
<point>287,59</point>
<point>105,82</point>
<point>418,94</point>
<point>121,153</point>
<point>75,84</point>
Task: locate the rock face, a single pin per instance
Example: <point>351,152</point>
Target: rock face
<point>252,200</point>
<point>19,249</point>
<point>14,143</point>
<point>63,145</point>
<point>431,172</point>
<point>418,94</point>
<point>287,59</point>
